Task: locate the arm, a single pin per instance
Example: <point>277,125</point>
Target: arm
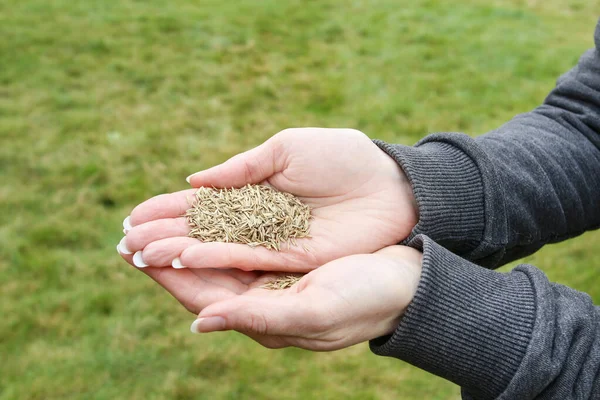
<point>533,181</point>
<point>505,336</point>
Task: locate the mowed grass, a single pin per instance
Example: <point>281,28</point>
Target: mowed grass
<point>104,104</point>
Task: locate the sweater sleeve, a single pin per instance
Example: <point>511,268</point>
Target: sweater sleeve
<point>533,181</point>
<point>498,335</point>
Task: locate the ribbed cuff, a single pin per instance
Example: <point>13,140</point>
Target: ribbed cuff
<point>448,189</point>
<point>466,324</point>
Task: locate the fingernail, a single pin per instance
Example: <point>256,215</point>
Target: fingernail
<point>209,324</point>
<point>138,261</point>
<point>127,224</point>
<point>189,178</point>
<point>177,264</point>
<point>122,247</point>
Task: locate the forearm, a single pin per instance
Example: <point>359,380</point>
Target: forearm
<point>498,335</point>
<point>548,163</point>
<point>533,181</point>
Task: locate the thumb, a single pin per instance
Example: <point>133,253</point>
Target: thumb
<point>268,315</point>
<point>252,166</point>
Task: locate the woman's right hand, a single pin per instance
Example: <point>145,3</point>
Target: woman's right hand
<point>361,202</point>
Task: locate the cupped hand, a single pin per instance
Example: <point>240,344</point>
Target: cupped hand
<point>342,303</point>
<point>361,202</point>
<point>198,288</point>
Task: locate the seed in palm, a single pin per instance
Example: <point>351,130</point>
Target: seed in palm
<point>281,282</point>
<point>255,215</point>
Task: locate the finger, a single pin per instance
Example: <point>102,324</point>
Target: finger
<point>142,235</point>
<point>252,166</point>
<point>169,205</point>
<point>161,253</point>
<point>272,314</point>
<point>193,292</point>
<point>244,257</point>
<point>224,278</point>
<point>189,286</point>
<point>124,253</point>
<point>246,277</point>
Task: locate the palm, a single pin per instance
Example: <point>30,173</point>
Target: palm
<point>360,201</point>
<point>359,198</point>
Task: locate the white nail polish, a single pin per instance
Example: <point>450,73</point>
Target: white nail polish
<point>138,261</point>
<point>127,224</point>
<point>122,247</point>
<point>177,264</point>
<point>194,326</point>
<point>189,178</point>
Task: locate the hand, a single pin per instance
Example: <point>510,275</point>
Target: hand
<point>361,202</point>
<point>342,303</point>
<point>198,288</point>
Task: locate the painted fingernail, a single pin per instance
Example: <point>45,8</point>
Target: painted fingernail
<point>194,326</point>
<point>122,247</point>
<point>127,224</point>
<point>138,261</point>
<point>209,324</point>
<point>177,264</point>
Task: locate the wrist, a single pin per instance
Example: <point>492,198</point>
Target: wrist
<point>400,195</point>
<point>448,189</point>
<point>452,326</point>
<point>408,264</point>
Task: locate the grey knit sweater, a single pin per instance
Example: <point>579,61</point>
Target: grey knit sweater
<point>487,201</point>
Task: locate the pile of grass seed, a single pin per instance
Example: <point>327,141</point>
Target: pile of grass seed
<point>255,215</point>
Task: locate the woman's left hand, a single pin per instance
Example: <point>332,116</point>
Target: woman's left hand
<point>342,303</point>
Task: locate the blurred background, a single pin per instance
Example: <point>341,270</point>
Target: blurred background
<point>106,103</point>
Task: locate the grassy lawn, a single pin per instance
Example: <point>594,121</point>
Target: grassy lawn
<point>106,103</point>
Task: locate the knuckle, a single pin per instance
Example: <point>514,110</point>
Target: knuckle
<point>155,253</point>
<point>184,256</point>
<point>133,241</point>
<point>138,237</point>
<point>194,303</point>
<point>150,251</point>
<point>257,324</point>
<point>192,257</point>
<point>248,171</point>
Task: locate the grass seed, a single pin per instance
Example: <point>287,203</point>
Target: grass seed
<point>281,282</point>
<point>255,215</point>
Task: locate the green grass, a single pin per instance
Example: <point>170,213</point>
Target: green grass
<point>106,103</point>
